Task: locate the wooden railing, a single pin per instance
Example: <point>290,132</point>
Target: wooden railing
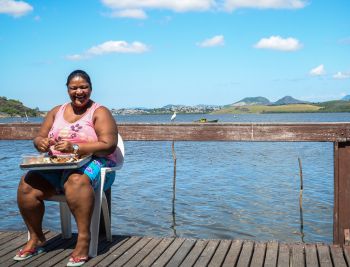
<point>338,133</point>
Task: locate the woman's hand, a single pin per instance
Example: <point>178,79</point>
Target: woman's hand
<point>64,146</point>
<point>42,144</point>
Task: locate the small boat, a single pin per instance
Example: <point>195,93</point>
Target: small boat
<point>204,120</point>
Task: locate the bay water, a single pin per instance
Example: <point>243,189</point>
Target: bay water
<point>243,190</point>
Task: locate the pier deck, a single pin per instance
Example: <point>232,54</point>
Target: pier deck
<point>153,251</point>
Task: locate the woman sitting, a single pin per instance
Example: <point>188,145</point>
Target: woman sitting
<point>81,127</point>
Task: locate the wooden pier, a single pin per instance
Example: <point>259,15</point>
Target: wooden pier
<point>151,251</point>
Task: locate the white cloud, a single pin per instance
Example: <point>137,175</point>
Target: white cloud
<point>217,40</point>
<point>264,4</point>
<point>318,71</point>
<point>201,5</point>
<point>178,6</point>
<point>111,47</point>
<point>129,13</point>
<point>279,43</point>
<point>341,75</point>
<point>14,8</point>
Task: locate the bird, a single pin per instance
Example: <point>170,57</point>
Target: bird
<point>173,116</point>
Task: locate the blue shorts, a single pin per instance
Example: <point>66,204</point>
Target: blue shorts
<point>92,169</point>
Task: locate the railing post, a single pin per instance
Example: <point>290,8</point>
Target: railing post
<point>341,216</point>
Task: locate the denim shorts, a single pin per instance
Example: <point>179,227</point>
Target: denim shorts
<point>92,169</point>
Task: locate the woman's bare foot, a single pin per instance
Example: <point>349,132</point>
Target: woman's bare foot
<point>82,247</point>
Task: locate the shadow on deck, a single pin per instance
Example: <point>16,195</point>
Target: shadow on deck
<point>152,251</point>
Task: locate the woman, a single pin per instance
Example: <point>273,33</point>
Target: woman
<point>81,127</point>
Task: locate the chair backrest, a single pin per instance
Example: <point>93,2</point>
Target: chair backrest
<point>120,152</point>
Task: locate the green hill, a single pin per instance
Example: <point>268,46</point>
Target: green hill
<point>15,108</point>
<point>269,109</point>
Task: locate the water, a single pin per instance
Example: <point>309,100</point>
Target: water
<point>246,190</point>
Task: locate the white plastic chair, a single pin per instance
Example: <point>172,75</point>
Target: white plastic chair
<point>100,201</point>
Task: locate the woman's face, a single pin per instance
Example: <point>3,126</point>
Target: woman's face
<point>79,91</point>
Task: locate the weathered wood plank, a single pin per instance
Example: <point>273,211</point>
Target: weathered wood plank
<point>127,255</point>
<point>246,254</point>
<point>297,257</point>
<point>283,255</point>
<point>9,237</point>
<point>271,254</point>
<point>347,254</point>
<point>311,255</point>
<point>104,249</point>
<point>220,253</point>
<point>194,253</point>
<point>324,255</point>
<point>233,254</point>
<point>258,255</point>
<point>118,250</point>
<point>207,253</point>
<point>15,244</point>
<point>337,256</point>
<point>181,253</point>
<point>134,261</point>
<point>327,132</point>
<point>169,252</point>
<point>156,252</point>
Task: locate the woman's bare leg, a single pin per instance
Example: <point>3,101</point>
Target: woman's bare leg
<point>80,198</point>
<point>32,190</point>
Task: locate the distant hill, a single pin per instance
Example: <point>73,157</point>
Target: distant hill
<point>248,101</point>
<point>15,108</point>
<point>346,98</point>
<point>287,100</point>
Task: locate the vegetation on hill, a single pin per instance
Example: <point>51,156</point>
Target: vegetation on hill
<point>334,106</point>
<point>269,109</point>
<point>15,108</point>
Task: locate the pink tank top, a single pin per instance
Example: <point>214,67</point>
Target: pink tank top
<point>80,131</point>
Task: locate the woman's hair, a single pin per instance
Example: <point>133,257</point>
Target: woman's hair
<point>79,73</point>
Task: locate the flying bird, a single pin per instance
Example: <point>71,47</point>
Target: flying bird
<point>173,116</point>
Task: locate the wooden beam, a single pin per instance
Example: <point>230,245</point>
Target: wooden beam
<point>341,217</point>
<point>283,132</point>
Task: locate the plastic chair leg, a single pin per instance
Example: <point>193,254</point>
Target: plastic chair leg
<point>66,222</point>
<point>95,225</point>
<point>106,218</point>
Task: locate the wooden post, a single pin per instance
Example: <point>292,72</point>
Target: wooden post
<point>341,219</point>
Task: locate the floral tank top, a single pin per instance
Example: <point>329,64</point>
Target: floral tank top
<point>80,131</point>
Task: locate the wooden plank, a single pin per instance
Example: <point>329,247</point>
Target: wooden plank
<point>169,252</point>
<point>233,254</point>
<point>220,253</point>
<point>323,132</point>
<point>271,254</point>
<point>127,255</point>
<point>258,255</point>
<point>57,256</point>
<point>15,245</point>
<point>156,252</point>
<point>341,217</point>
<point>143,252</point>
<point>105,248</point>
<point>347,254</point>
<point>194,253</point>
<point>297,256</point>
<point>181,253</point>
<point>207,253</point>
<point>117,251</point>
<point>324,256</point>
<point>246,254</point>
<point>13,235</point>
<point>311,255</point>
<point>337,256</point>
<point>283,255</point>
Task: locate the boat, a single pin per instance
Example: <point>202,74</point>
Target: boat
<point>204,120</point>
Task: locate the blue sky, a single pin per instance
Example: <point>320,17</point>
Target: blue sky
<point>150,53</point>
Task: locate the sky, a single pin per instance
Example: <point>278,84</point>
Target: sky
<point>150,53</point>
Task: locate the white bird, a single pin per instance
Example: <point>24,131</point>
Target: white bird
<point>173,117</point>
